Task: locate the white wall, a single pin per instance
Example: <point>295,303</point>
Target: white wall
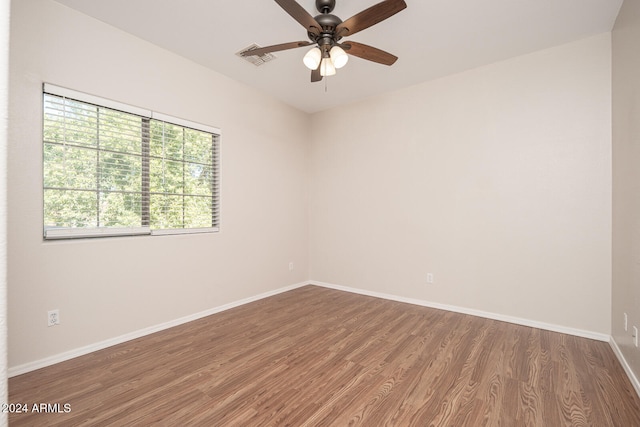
<point>626,176</point>
<point>109,287</point>
<point>496,180</point>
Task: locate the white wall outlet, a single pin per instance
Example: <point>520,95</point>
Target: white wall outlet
<point>429,277</point>
<point>53,317</point>
<point>626,322</point>
<point>291,266</point>
<point>635,336</point>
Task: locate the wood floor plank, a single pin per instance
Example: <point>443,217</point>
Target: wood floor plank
<point>321,357</point>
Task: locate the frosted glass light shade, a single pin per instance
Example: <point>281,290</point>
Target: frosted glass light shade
<point>327,68</point>
<point>312,58</point>
<point>339,57</point>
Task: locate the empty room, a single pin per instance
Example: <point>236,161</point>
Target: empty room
<point>320,213</point>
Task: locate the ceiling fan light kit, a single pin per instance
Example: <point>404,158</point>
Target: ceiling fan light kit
<point>337,58</point>
<point>325,32</point>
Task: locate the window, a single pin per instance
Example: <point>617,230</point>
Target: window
<point>112,169</point>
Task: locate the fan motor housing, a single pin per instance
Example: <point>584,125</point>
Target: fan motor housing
<point>325,6</point>
<point>328,22</point>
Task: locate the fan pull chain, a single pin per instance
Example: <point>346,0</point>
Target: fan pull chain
<point>325,84</point>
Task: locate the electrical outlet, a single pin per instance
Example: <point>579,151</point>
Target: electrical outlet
<point>429,277</point>
<point>626,322</point>
<point>291,266</point>
<point>635,336</point>
<point>53,317</point>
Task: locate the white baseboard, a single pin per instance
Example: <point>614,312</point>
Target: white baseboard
<point>32,366</point>
<point>625,365</point>
<point>473,312</point>
<point>52,360</point>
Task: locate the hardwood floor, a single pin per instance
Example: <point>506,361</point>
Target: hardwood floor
<point>320,357</point>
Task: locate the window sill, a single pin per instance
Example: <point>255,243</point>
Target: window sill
<point>174,231</point>
<point>80,233</point>
<point>88,233</point>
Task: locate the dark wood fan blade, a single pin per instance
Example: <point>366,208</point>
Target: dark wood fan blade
<point>298,13</point>
<point>315,75</point>
<point>275,48</point>
<point>369,17</point>
<point>369,53</point>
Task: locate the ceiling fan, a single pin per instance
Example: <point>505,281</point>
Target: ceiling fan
<point>325,32</point>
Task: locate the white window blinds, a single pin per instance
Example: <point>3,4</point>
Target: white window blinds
<point>112,169</point>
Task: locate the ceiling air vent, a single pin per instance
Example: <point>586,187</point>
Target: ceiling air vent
<point>256,60</point>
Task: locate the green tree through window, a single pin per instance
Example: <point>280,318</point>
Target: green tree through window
<point>105,168</point>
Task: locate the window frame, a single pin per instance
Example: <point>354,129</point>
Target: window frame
<point>54,233</point>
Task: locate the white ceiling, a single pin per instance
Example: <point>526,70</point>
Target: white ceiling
<point>432,38</point>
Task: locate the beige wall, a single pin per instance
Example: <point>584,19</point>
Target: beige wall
<point>109,287</point>
<point>626,179</point>
<point>496,180</point>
